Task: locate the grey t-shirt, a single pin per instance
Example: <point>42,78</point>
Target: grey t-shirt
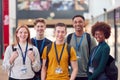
<point>82,52</point>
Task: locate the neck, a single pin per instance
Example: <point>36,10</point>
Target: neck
<point>59,42</point>
<point>23,43</point>
<point>40,37</point>
<point>79,33</point>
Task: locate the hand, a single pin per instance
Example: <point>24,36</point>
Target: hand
<point>14,55</point>
<point>31,55</point>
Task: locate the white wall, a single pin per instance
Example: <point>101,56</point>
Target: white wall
<point>12,18</point>
<point>97,6</point>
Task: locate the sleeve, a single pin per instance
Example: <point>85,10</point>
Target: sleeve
<point>73,54</point>
<point>6,65</point>
<point>65,39</point>
<point>93,42</point>
<point>103,62</point>
<point>32,40</point>
<point>44,53</point>
<point>37,63</point>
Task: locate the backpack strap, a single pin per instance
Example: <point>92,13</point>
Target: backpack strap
<point>47,52</point>
<point>13,49</point>
<point>33,40</point>
<point>69,50</point>
<point>48,48</point>
<point>69,38</point>
<point>89,41</point>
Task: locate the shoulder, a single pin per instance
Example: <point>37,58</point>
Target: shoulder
<point>88,35</point>
<point>31,46</point>
<point>48,40</point>
<point>71,52</point>
<point>32,40</point>
<point>106,46</point>
<point>34,47</point>
<point>68,38</point>
<point>69,35</point>
<point>9,47</point>
<point>49,45</point>
<point>69,47</point>
<point>91,38</point>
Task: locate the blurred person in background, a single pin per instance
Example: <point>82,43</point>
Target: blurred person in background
<point>81,5</point>
<point>24,5</point>
<point>40,5</point>
<point>40,41</point>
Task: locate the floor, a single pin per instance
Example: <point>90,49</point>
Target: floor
<point>3,75</point>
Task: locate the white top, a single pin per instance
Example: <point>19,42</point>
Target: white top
<point>15,69</point>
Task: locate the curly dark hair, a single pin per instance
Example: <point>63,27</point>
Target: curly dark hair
<point>101,26</point>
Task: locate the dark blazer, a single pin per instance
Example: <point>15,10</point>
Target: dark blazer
<point>99,60</point>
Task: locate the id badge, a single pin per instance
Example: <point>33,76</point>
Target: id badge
<point>58,70</point>
<point>78,57</point>
<point>24,69</point>
<point>91,69</point>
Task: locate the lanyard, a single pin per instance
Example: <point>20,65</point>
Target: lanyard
<point>23,56</point>
<point>58,60</point>
<point>94,53</point>
<point>42,45</point>
<point>78,44</point>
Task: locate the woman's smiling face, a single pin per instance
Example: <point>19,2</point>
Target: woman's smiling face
<point>99,35</point>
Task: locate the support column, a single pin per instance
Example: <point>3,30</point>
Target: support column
<point>1,30</point>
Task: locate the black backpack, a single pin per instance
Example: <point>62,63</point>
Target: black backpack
<point>88,39</point>
<point>48,50</point>
<point>14,49</point>
<point>111,69</point>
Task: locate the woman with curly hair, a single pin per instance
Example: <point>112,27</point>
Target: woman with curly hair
<point>100,54</point>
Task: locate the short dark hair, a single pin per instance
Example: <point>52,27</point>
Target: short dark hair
<point>42,20</point>
<point>78,16</point>
<point>102,26</point>
<point>61,25</point>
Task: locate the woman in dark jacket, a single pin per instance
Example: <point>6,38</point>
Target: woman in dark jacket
<point>100,54</point>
